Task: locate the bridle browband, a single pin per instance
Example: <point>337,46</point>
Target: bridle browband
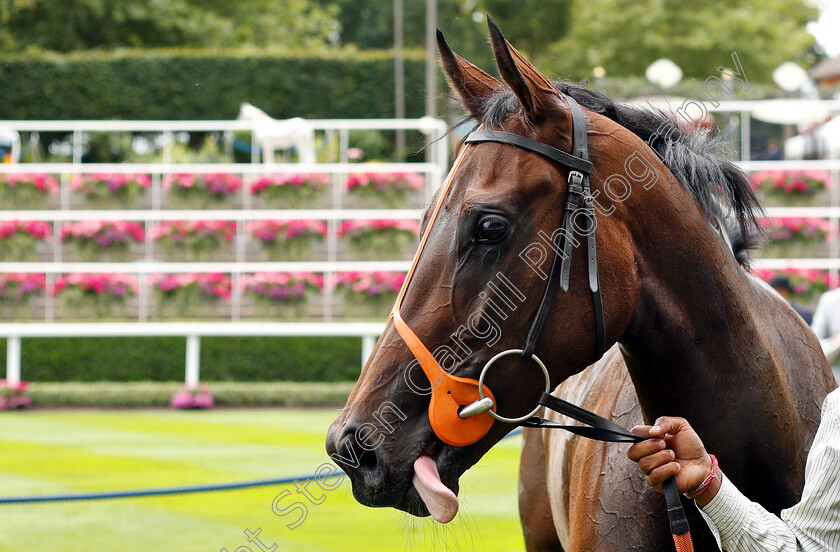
<point>461,410</point>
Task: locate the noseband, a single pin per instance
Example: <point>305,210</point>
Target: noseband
<point>459,426</point>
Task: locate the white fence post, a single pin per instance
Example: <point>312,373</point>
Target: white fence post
<point>13,359</point>
<point>368,341</point>
<point>193,356</point>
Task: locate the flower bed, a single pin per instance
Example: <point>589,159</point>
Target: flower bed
<point>194,240</point>
<point>287,240</point>
<point>389,190</point>
<point>111,191</point>
<point>94,295</point>
<point>16,292</point>
<point>380,239</point>
<point>13,396</point>
<point>794,236</point>
<point>281,294</point>
<point>193,398</point>
<point>368,294</point>
<point>290,191</point>
<point>19,239</point>
<point>26,191</point>
<point>808,284</point>
<point>190,295</point>
<point>781,188</point>
<point>199,191</point>
<point>103,240</point>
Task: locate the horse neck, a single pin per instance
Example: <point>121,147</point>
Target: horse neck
<point>704,343</point>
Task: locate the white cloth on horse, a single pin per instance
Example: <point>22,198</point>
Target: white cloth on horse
<point>812,525</point>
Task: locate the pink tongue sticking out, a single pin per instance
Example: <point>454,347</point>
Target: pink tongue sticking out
<point>438,498</point>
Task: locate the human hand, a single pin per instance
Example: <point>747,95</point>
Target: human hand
<point>672,450</point>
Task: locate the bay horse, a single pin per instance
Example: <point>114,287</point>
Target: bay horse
<point>694,334</point>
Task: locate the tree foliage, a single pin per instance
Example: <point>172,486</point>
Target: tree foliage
<point>71,25</point>
<point>625,36</point>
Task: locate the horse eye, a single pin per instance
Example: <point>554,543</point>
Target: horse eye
<point>491,229</point>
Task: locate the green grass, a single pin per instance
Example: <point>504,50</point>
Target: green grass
<point>77,451</point>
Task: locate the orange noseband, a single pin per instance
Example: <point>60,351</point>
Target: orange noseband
<point>449,393</point>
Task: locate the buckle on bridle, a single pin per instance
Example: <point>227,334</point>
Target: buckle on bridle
<point>576,178</point>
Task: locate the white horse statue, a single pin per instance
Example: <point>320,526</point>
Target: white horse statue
<point>271,134</point>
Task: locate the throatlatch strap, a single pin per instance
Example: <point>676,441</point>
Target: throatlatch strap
<point>602,429</point>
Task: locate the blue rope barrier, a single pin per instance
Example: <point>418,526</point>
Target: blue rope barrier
<point>129,493</point>
<point>161,491</point>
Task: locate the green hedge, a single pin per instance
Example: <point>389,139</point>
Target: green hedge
<point>163,358</point>
<point>158,394</point>
<point>202,84</point>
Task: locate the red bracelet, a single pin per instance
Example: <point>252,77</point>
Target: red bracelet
<point>704,486</point>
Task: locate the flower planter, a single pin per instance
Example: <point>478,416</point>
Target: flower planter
<point>17,292</point>
<point>385,190</point>
<point>792,237</point>
<point>193,398</point>
<point>13,396</point>
<point>186,296</point>
<point>368,295</point>
<point>281,295</point>
<point>111,191</point>
<point>94,296</point>
<point>200,191</point>
<point>198,240</point>
<point>103,240</point>
<point>290,191</point>
<point>792,188</point>
<point>26,191</point>
<point>20,241</point>
<point>380,239</point>
<point>286,240</point>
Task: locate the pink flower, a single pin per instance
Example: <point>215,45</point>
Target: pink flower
<point>369,283</point>
<point>41,182</point>
<point>382,181</point>
<point>88,184</point>
<point>359,227</point>
<point>214,184</point>
<point>176,230</point>
<point>115,285</point>
<point>105,233</point>
<point>293,180</point>
<point>37,229</point>
<point>274,230</point>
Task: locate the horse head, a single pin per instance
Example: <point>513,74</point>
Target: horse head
<point>489,241</point>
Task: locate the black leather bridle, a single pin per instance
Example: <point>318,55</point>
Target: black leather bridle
<point>596,427</point>
<point>578,162</point>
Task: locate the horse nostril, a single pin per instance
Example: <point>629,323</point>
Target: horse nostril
<point>352,456</point>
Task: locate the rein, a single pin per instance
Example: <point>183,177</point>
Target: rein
<point>462,410</point>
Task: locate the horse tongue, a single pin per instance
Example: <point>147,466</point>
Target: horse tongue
<point>438,498</point>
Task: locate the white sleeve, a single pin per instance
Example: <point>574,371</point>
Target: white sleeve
<point>820,321</point>
<point>812,525</point>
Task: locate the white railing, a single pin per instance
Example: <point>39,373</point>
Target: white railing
<point>193,331</point>
<point>434,169</point>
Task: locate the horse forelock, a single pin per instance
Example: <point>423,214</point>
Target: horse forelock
<point>697,159</point>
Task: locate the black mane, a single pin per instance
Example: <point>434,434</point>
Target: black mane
<point>696,159</point>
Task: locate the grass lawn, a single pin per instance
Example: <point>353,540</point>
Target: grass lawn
<point>77,451</point>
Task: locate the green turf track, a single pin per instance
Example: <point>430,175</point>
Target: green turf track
<point>78,451</point>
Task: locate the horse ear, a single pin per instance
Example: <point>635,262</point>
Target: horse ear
<point>468,81</point>
<point>531,87</point>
